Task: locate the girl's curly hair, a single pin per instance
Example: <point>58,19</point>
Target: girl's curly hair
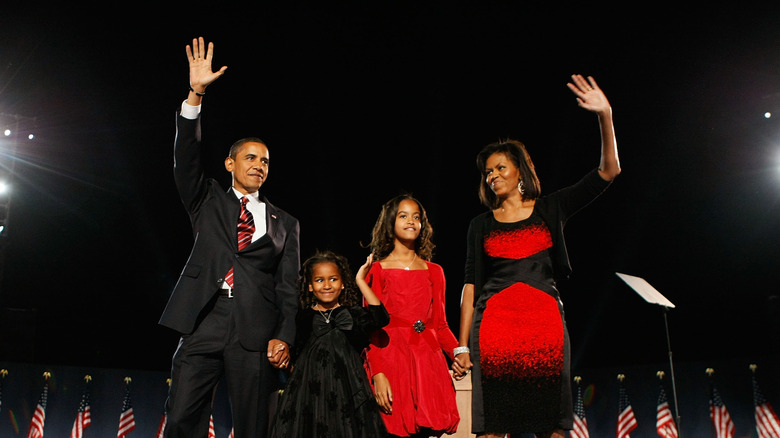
<point>350,295</point>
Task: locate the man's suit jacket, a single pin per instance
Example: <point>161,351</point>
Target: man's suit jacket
<point>265,272</point>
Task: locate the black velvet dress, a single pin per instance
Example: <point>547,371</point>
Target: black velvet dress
<point>328,394</point>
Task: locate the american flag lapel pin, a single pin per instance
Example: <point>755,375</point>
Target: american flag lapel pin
<point>273,216</point>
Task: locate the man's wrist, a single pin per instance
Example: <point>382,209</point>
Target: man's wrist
<point>189,111</point>
<point>199,93</point>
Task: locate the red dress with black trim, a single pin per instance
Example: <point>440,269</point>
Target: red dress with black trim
<point>410,350</point>
<point>523,345</point>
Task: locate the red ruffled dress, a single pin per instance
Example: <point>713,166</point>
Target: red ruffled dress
<point>409,350</point>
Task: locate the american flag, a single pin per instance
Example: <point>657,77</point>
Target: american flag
<point>83,416</point>
<point>664,422</point>
<point>164,419</point>
<point>212,434</point>
<point>126,419</point>
<point>161,429</point>
<point>626,420</point>
<point>3,373</point>
<point>39,416</point>
<point>580,422</point>
<point>724,427</point>
<point>767,423</point>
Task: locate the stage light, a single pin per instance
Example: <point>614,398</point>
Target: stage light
<point>767,115</point>
<point>4,187</point>
<point>30,137</point>
<point>2,228</point>
<point>7,132</point>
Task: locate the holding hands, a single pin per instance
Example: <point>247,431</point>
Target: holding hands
<point>461,366</point>
<point>278,353</point>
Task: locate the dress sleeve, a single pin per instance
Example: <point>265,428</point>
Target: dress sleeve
<point>366,320</point>
<point>475,257</point>
<point>446,338</point>
<point>376,318</point>
<point>558,207</point>
<point>375,357</point>
<point>374,280</point>
<point>470,275</point>
<point>573,198</point>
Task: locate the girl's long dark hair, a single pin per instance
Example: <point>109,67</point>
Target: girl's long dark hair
<point>383,234</point>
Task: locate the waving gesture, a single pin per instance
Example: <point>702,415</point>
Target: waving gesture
<point>589,95</point>
<point>365,289</point>
<point>199,57</point>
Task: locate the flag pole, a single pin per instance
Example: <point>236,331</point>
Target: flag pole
<point>3,373</point>
<point>652,296</point>
<point>671,370</point>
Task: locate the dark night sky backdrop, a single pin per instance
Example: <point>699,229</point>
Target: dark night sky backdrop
<point>359,102</point>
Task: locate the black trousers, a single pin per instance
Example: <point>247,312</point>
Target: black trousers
<point>201,360</point>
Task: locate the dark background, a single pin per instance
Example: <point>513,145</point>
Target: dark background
<point>362,101</point>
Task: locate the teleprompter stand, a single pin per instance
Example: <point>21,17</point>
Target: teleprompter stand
<point>652,296</point>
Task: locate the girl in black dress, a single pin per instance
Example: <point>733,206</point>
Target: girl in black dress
<point>328,394</point>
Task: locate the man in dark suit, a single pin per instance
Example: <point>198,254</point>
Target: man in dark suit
<point>235,302</point>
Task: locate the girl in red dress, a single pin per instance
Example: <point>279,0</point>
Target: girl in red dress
<point>405,361</point>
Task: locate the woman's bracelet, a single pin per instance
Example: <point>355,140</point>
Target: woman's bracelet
<point>460,350</point>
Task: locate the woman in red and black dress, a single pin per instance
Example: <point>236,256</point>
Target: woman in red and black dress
<point>513,333</point>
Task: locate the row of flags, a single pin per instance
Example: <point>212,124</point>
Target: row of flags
<point>766,420</point>
<point>212,431</point>
<point>84,413</point>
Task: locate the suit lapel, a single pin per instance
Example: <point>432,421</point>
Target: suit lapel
<point>271,223</point>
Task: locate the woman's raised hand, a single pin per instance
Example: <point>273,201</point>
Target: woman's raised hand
<point>589,95</point>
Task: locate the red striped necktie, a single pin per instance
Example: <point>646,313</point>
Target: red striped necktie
<point>246,228</point>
